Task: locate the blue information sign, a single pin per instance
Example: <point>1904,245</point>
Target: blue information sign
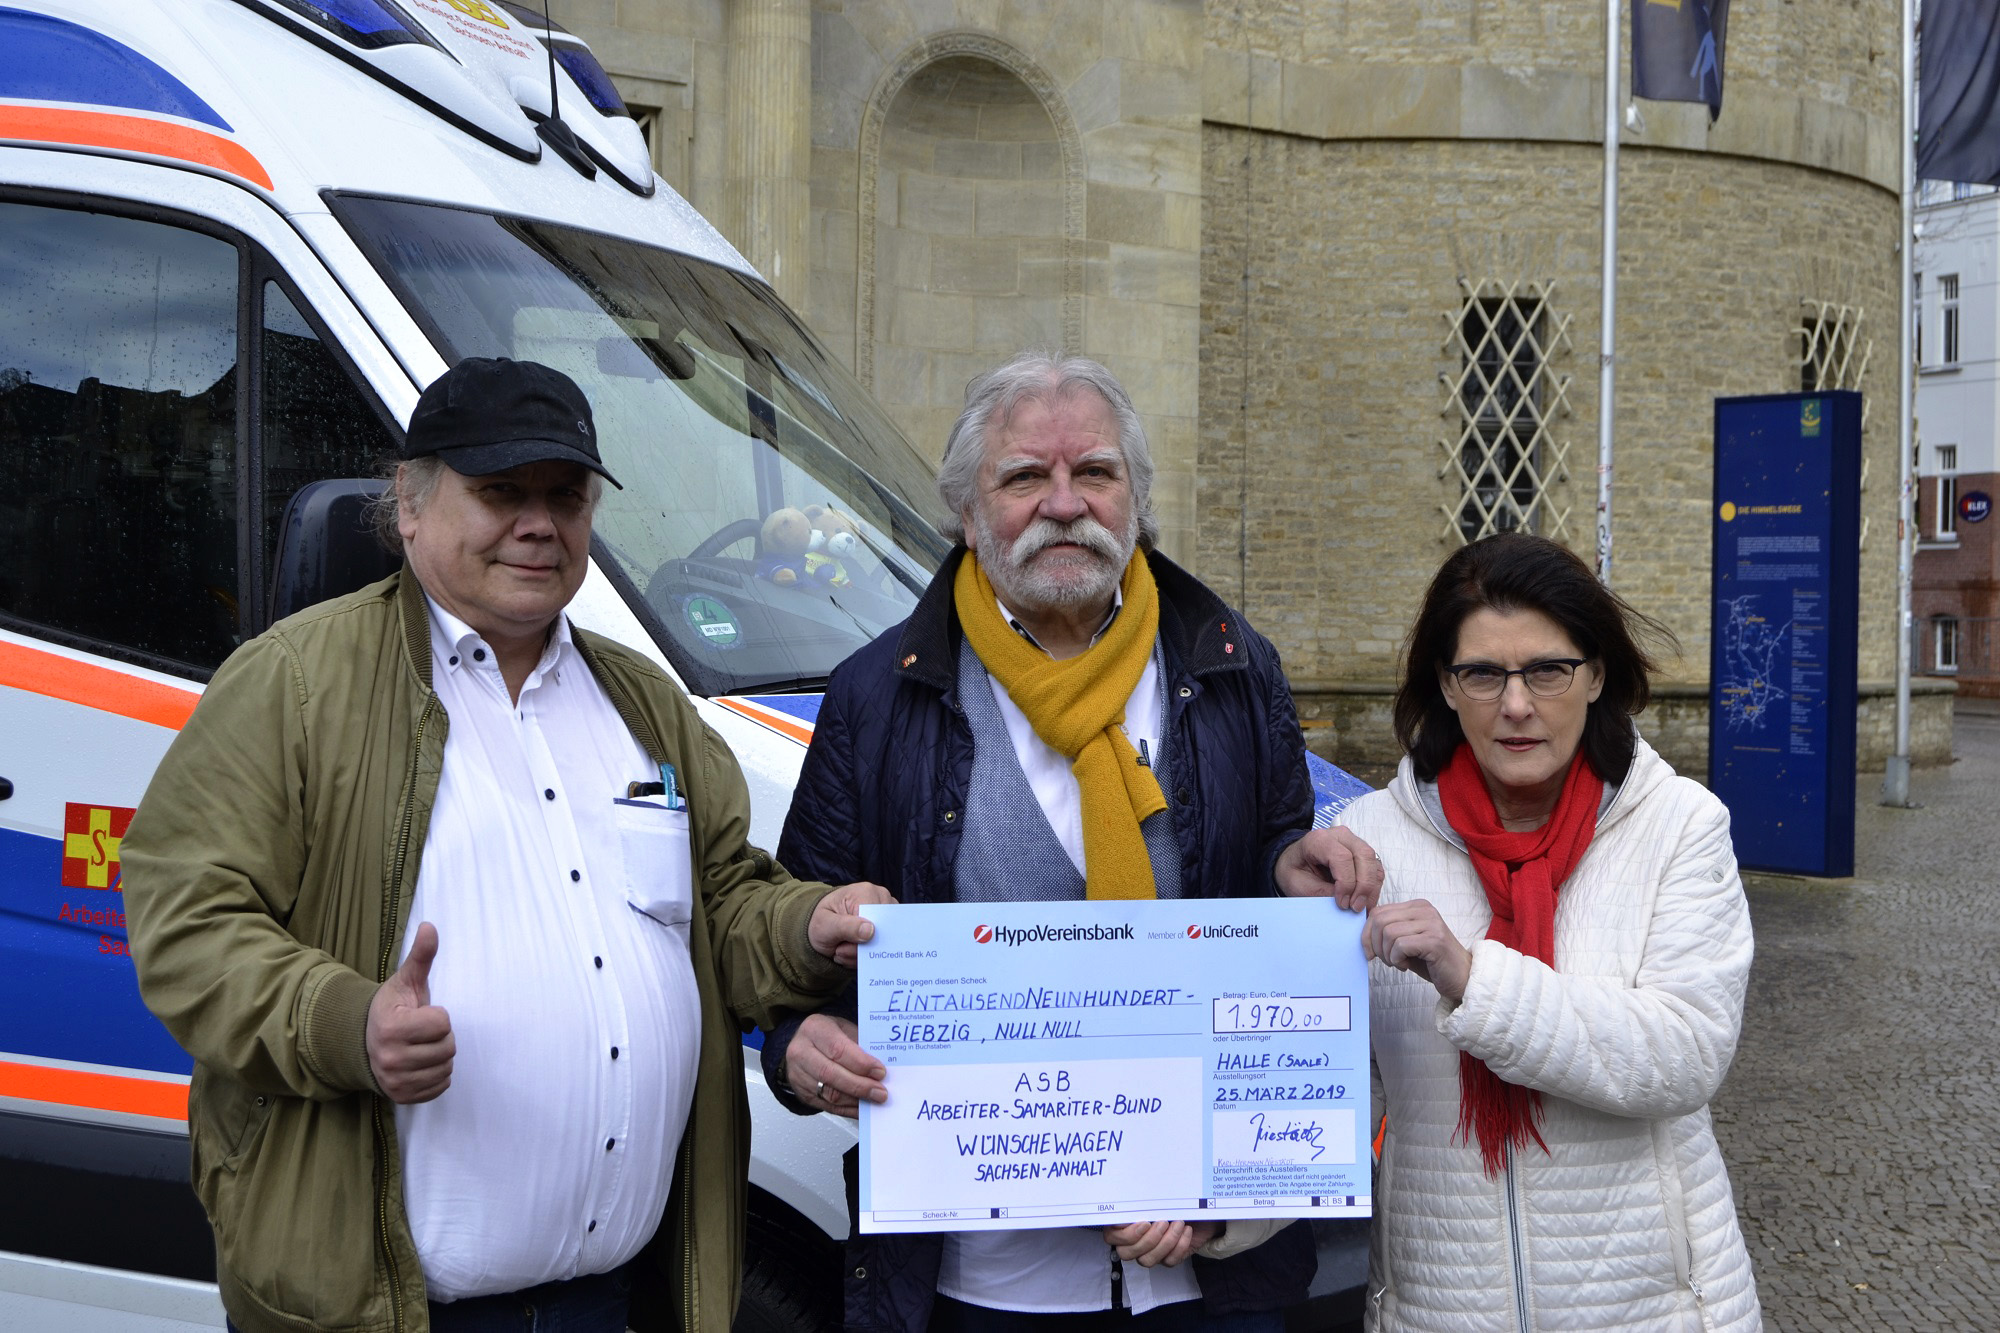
<point>1782,667</point>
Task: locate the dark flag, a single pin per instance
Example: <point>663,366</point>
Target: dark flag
<point>1677,51</point>
<point>1958,92</point>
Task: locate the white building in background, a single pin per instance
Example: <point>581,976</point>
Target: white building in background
<point>1956,598</point>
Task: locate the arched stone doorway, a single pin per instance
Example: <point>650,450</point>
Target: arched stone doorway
<point>970,228</point>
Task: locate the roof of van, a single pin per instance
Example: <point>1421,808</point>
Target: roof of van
<point>440,100</point>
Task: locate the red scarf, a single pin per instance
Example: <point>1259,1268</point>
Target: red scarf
<point>1521,872</point>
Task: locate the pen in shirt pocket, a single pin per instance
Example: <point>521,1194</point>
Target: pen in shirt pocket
<point>668,786</point>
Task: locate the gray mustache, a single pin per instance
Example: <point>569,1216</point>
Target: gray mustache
<point>1046,532</point>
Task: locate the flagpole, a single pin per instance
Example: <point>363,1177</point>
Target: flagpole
<point>1896,773</point>
<point>1608,315</point>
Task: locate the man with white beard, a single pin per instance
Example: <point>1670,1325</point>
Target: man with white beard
<point>1066,715</point>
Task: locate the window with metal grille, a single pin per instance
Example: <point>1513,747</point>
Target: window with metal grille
<point>1505,460</point>
<point>1833,354</point>
<point>1948,317</point>
<point>1945,631</point>
<point>1947,490</point>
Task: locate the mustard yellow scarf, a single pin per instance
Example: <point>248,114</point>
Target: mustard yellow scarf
<point>1078,708</point>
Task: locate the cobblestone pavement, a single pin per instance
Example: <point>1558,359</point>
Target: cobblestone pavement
<point>1861,1120</point>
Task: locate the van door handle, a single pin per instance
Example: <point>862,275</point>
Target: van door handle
<point>6,789</point>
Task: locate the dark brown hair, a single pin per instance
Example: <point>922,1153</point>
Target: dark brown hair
<point>1513,571</point>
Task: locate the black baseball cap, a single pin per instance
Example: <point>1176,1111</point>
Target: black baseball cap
<point>487,414</point>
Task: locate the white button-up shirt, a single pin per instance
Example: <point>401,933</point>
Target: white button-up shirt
<point>562,909</point>
<point>1061,1269</point>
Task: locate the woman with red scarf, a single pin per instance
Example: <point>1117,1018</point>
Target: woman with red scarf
<point>1559,960</point>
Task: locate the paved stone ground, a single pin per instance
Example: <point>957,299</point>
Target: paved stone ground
<point>1861,1120</point>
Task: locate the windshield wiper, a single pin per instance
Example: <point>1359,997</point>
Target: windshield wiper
<point>782,685</point>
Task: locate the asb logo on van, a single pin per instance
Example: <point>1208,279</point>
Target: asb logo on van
<point>478,32</point>
<point>91,838</point>
<point>478,9</point>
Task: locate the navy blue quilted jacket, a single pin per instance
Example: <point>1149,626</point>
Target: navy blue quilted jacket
<point>882,796</point>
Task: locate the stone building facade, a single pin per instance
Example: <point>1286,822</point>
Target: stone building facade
<point>1345,254</point>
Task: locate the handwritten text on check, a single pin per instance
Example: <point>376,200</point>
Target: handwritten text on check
<point>1061,1064</point>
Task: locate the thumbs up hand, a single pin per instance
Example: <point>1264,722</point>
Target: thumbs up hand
<point>410,1045</point>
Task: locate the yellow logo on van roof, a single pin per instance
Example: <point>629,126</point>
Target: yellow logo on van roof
<point>480,10</point>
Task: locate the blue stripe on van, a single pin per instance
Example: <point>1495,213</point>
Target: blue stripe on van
<point>1334,789</point>
<point>804,707</point>
<point>47,59</point>
<point>63,995</point>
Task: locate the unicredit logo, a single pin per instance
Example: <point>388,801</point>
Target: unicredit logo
<point>982,934</point>
<point>1222,932</point>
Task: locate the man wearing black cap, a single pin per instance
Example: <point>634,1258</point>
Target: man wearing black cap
<point>493,501</point>
<point>452,904</point>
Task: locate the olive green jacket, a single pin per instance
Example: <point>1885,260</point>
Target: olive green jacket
<point>267,874</point>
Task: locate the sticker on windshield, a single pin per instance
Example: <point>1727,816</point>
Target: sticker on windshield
<point>713,622</point>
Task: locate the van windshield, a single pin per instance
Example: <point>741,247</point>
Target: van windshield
<point>773,520</point>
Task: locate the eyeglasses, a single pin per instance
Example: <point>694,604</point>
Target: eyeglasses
<point>1484,682</point>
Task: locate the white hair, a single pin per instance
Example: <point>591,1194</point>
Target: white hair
<point>414,482</point>
<point>1039,376</point>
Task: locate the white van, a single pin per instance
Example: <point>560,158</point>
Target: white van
<point>236,239</point>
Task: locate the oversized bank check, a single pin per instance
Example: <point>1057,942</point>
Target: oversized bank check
<point>1063,1064</point>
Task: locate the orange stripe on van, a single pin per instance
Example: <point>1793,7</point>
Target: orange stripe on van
<point>96,687</point>
<point>100,1092</point>
<point>131,134</point>
<point>787,727</point>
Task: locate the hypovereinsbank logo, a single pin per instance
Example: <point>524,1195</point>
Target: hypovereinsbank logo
<point>1045,934</point>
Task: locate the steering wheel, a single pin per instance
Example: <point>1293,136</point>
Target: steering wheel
<point>725,537</point>
<point>662,582</point>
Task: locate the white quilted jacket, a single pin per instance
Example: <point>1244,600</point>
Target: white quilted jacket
<point>1627,1223</point>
